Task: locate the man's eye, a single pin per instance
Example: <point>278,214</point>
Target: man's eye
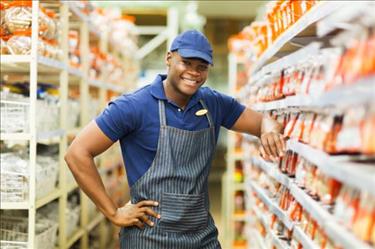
<point>203,68</point>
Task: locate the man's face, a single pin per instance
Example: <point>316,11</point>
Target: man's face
<point>186,75</point>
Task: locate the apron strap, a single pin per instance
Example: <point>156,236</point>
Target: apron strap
<point>210,122</point>
<point>162,117</point>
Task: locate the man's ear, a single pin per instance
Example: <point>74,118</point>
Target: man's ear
<point>168,58</point>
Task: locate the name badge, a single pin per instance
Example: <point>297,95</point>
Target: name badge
<point>201,112</point>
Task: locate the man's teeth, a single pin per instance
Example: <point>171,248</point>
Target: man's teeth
<point>192,81</point>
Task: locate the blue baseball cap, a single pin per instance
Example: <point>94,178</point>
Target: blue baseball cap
<point>193,44</point>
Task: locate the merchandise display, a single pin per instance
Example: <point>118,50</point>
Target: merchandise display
<point>16,30</point>
<point>48,92</point>
<point>320,193</point>
<point>15,229</point>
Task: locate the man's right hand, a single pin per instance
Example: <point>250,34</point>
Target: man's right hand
<point>135,214</point>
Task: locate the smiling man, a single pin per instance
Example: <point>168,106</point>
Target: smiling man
<point>168,132</point>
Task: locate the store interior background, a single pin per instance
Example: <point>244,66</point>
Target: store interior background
<point>218,20</point>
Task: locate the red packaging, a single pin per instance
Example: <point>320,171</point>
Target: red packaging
<point>308,127</point>
<point>364,222</point>
<point>291,124</point>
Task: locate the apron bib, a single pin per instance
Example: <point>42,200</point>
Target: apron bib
<point>177,179</point>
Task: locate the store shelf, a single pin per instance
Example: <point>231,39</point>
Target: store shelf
<point>75,75</point>
<point>277,241</point>
<point>115,88</point>
<point>272,206</point>
<point>316,13</point>
<point>260,216</point>
<point>250,138</point>
<point>239,217</point>
<point>284,62</point>
<point>292,101</point>
<point>238,186</point>
<point>40,135</point>
<point>108,86</point>
<point>21,64</point>
<point>39,203</point>
<point>10,59</point>
<point>72,187</point>
<point>343,237</point>
<point>272,170</point>
<point>96,83</point>
<point>98,218</point>
<point>341,96</point>
<point>326,221</point>
<point>76,236</point>
<point>347,94</point>
<point>254,234</point>
<point>84,18</point>
<point>74,131</point>
<point>77,12</point>
<point>341,18</point>
<point>238,156</point>
<point>15,205</point>
<point>357,175</point>
<point>301,237</point>
<point>314,208</point>
<point>15,136</point>
<point>46,135</point>
<point>48,198</point>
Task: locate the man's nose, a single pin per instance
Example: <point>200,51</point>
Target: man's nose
<point>193,71</point>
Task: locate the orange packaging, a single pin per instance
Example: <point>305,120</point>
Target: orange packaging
<point>305,220</point>
<point>352,126</point>
<point>367,129</point>
<point>291,124</point>
<point>20,3</point>
<point>324,128</point>
<point>330,140</point>
<point>309,126</point>
<point>298,127</point>
<point>291,170</point>
<point>372,237</point>
<point>279,86</point>
<point>365,220</point>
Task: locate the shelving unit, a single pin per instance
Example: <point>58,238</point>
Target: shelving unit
<point>63,75</point>
<point>307,37</point>
<point>320,214</point>
<point>303,28</point>
<point>230,185</point>
<point>341,97</point>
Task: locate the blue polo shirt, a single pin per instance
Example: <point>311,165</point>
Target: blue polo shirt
<point>133,119</point>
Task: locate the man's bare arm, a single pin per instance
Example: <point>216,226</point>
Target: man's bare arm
<point>268,130</point>
<point>80,159</point>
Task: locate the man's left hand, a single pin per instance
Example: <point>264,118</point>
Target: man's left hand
<point>272,146</point>
<point>272,140</point>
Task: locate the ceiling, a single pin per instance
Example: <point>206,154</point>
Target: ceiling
<point>213,9</point>
<point>232,9</point>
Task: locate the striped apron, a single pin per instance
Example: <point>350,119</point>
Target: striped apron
<point>177,179</point>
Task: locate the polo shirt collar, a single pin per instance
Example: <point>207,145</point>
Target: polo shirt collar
<point>157,90</point>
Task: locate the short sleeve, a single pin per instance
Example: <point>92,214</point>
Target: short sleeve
<point>118,119</point>
<point>230,109</point>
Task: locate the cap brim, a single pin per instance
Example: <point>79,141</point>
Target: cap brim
<point>190,53</point>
